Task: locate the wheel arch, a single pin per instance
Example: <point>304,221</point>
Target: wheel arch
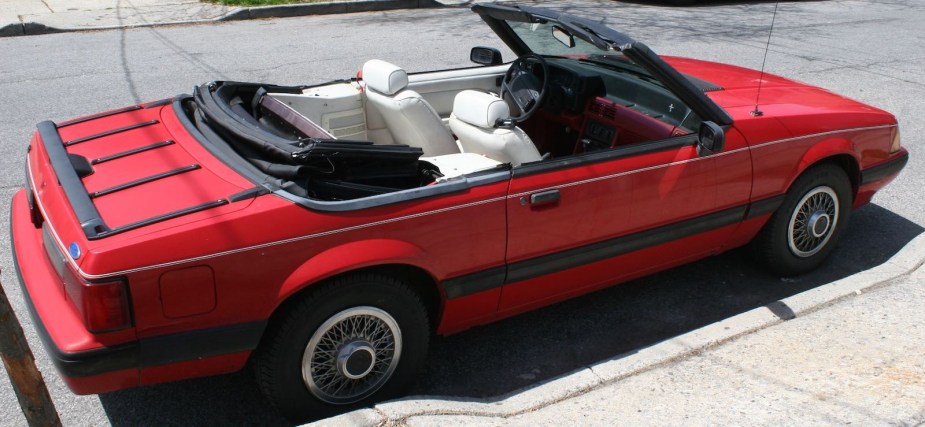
<point>292,330</point>
<point>836,151</point>
<point>787,247</point>
<point>393,258</point>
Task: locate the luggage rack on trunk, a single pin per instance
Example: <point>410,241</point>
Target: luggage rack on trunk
<point>82,202</point>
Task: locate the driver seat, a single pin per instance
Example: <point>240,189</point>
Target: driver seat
<point>473,121</point>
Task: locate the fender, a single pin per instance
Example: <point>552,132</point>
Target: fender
<point>821,151</point>
<point>352,256</point>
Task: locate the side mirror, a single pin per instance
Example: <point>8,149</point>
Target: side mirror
<point>485,55</point>
<point>710,139</point>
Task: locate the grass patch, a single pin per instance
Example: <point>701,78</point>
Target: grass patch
<point>262,2</point>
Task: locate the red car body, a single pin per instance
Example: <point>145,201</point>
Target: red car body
<point>186,260</point>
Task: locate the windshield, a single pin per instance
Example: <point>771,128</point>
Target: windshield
<point>626,82</point>
<point>589,46</point>
<point>540,40</point>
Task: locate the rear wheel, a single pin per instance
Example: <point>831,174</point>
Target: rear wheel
<point>809,222</point>
<point>353,341</point>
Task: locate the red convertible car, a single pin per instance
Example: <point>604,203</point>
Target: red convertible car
<point>324,233</point>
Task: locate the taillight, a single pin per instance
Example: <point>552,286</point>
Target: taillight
<point>104,306</point>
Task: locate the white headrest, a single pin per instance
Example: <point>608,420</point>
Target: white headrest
<point>479,108</point>
<point>384,77</point>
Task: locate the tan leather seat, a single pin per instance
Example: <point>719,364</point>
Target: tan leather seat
<point>408,119</point>
<point>473,121</point>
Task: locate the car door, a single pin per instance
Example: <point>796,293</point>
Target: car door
<point>578,223</point>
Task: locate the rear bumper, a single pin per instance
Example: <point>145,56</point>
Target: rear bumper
<point>89,364</point>
<point>86,365</point>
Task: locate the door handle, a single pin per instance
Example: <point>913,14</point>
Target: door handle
<point>542,198</point>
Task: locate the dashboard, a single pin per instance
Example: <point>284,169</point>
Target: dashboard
<point>610,107</point>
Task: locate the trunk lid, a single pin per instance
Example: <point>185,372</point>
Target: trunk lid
<point>126,173</point>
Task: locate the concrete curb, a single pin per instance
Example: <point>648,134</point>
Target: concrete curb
<point>27,29</point>
<point>303,9</point>
<point>591,377</point>
<point>11,30</point>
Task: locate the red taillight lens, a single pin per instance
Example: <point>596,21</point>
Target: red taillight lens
<point>104,306</point>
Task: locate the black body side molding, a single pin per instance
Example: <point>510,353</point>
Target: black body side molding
<point>495,277</point>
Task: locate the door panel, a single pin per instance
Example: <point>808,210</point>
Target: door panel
<point>609,212</point>
<point>675,185</point>
<point>594,202</point>
<point>526,295</point>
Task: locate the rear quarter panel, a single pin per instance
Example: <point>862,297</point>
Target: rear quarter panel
<point>264,254</point>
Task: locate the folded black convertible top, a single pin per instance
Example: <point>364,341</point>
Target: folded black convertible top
<point>303,153</point>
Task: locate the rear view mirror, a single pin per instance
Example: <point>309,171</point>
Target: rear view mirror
<point>563,36</point>
<point>710,139</point>
<point>485,55</point>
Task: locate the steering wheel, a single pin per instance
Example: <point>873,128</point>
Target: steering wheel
<point>522,88</point>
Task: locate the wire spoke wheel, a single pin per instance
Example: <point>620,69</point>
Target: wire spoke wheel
<point>348,342</point>
<point>351,355</point>
<point>809,222</point>
<point>813,221</point>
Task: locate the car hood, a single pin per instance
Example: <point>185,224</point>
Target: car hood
<point>113,176</point>
<point>740,89</point>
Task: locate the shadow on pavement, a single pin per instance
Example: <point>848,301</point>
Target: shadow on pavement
<point>222,400</point>
<point>531,348</point>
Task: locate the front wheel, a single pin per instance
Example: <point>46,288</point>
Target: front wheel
<point>352,342</point>
<point>806,226</point>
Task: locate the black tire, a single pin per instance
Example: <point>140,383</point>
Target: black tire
<point>808,223</point>
<point>380,309</point>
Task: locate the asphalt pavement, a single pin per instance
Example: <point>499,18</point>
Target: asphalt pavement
<point>718,341</point>
<point>34,17</point>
